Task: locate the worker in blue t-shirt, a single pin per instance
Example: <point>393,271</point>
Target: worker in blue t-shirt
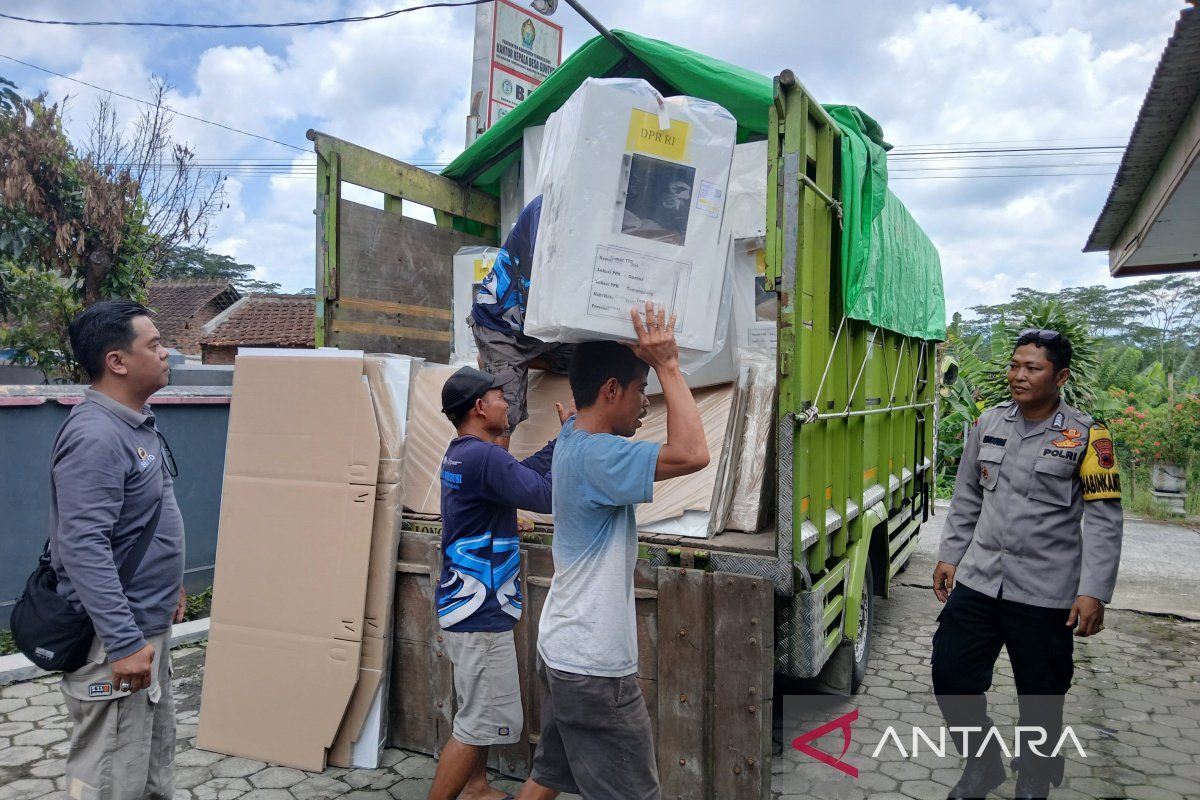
<point>479,594</point>
<point>498,319</point>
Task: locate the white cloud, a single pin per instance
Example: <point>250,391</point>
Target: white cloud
<point>930,72</point>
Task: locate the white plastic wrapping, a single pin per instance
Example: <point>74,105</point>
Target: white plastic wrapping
<point>512,198</point>
<point>634,192</point>
<point>746,206</point>
<point>754,454</point>
<point>531,158</point>
<point>471,266</point>
<point>755,310</point>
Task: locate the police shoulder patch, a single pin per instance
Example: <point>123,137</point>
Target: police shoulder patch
<point>1098,472</point>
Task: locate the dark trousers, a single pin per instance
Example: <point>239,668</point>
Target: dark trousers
<point>971,630</point>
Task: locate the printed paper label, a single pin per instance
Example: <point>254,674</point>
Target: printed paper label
<point>710,200</point>
<point>482,267</point>
<point>761,337</point>
<point>623,279</point>
<point>646,137</point>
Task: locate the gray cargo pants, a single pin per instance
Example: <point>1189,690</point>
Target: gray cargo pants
<point>501,351</point>
<point>122,744</point>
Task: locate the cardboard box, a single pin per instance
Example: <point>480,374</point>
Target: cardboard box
<point>432,432</point>
<point>633,195</point>
<point>285,642</point>
<point>363,731</point>
<point>390,378</point>
<point>471,265</point>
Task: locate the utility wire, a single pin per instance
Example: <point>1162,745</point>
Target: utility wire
<point>985,177</point>
<point>217,26</point>
<point>149,103</point>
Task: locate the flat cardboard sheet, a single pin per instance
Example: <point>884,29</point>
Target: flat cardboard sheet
<point>367,693</point>
<point>292,556</point>
<point>755,454</point>
<point>431,432</point>
<point>363,731</point>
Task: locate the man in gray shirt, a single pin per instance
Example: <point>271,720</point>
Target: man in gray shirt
<point>109,473</point>
<point>1017,569</point>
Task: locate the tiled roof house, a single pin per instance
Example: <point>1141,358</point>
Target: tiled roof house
<point>260,320</point>
<point>183,307</point>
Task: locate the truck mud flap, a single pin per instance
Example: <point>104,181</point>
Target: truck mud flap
<point>811,617</point>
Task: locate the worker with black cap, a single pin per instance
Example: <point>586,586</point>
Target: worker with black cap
<point>479,595</point>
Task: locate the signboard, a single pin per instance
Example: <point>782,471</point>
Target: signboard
<point>522,48</point>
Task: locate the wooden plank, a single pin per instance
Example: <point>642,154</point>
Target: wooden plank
<point>372,170</point>
<point>396,275</point>
<point>742,632</point>
<point>412,724</point>
<point>517,759</point>
<point>394,308</point>
<point>413,601</point>
<point>683,646</point>
<point>396,331</point>
<point>441,669</point>
<point>538,562</point>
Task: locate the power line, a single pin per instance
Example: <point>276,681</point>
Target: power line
<point>1115,139</point>
<point>1075,149</point>
<point>985,177</point>
<point>223,26</point>
<point>152,104</point>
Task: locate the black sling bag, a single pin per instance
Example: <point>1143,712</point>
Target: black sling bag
<point>46,628</point>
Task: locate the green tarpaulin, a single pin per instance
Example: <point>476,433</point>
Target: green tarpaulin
<point>890,268</point>
<point>891,271</point>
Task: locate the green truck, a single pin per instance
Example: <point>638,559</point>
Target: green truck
<point>860,314</point>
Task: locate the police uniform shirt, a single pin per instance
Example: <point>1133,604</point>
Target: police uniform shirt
<point>1014,525</point>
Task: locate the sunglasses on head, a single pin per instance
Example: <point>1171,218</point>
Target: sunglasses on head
<point>1041,333</point>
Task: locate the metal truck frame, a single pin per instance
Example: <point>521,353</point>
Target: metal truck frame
<point>717,617</point>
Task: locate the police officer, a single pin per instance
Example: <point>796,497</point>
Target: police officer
<point>1017,569</point>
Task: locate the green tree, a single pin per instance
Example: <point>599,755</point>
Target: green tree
<point>9,98</point>
<point>196,263</point>
<point>1167,312</point>
<point>71,233</point>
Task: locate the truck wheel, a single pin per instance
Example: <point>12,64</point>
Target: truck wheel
<point>862,643</point>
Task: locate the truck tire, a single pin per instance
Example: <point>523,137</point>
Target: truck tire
<point>862,644</point>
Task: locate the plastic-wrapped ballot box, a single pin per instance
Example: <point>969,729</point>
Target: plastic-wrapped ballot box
<point>755,308</point>
<point>746,203</point>
<point>633,196</point>
<point>471,266</point>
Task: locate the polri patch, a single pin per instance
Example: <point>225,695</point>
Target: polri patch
<point>102,689</point>
<point>503,732</point>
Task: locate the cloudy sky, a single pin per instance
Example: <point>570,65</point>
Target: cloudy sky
<point>1014,74</point>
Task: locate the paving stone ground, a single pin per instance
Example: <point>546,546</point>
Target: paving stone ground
<point>1136,701</point>
<point>1134,704</point>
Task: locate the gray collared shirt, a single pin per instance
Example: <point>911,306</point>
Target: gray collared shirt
<point>107,475</point>
<point>1015,522</point>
